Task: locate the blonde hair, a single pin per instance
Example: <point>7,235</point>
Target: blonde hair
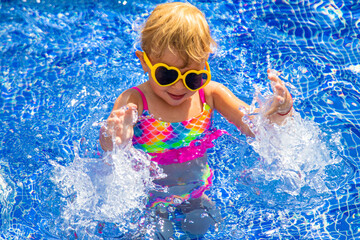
<point>182,28</point>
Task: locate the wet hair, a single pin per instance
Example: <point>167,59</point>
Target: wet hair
<point>182,28</point>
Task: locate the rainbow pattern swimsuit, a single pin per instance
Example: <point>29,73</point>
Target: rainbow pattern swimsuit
<point>178,145</point>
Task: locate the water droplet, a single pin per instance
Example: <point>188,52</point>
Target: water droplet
<point>328,101</point>
<point>134,116</point>
<point>177,201</point>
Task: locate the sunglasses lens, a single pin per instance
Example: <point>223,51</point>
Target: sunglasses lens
<point>195,81</point>
<point>165,76</point>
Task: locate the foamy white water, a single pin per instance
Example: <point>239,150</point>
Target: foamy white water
<point>113,189</point>
<point>294,154</point>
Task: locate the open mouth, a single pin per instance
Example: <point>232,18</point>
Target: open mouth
<point>176,97</point>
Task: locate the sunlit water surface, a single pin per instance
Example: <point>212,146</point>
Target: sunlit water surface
<point>62,66</point>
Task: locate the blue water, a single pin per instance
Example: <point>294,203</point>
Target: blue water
<point>62,65</point>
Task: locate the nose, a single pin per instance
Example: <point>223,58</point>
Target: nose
<point>179,84</point>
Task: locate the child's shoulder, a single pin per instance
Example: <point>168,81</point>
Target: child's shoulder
<point>130,95</point>
<point>212,89</point>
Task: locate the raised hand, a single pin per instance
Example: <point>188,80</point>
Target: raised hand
<point>119,126</point>
<point>282,101</point>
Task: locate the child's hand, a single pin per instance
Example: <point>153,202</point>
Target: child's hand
<point>282,102</point>
<point>120,124</point>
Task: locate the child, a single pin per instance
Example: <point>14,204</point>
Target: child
<point>175,110</point>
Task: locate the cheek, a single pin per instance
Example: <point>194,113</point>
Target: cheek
<point>191,93</point>
<point>153,84</point>
<point>155,87</point>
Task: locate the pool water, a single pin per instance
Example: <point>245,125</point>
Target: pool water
<point>62,65</point>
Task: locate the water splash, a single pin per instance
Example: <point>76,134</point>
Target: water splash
<point>293,156</point>
<point>7,197</point>
<point>112,189</point>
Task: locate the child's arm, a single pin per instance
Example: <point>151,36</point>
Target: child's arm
<point>119,125</point>
<point>228,105</point>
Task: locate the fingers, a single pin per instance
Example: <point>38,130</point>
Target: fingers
<point>123,111</point>
<point>120,120</point>
<point>273,75</point>
<point>277,85</point>
<point>131,106</point>
<point>118,128</point>
<point>275,106</point>
<point>279,104</point>
<point>281,92</point>
<point>116,120</point>
<point>117,113</point>
<point>282,100</point>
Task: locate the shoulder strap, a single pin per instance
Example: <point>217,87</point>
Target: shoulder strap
<point>202,95</point>
<point>145,106</point>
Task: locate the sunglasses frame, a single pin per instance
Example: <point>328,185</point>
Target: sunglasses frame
<point>180,76</point>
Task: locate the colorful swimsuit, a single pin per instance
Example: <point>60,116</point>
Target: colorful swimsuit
<point>174,146</point>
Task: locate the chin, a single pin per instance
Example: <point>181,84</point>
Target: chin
<point>175,103</point>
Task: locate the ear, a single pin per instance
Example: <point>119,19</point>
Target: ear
<point>140,56</point>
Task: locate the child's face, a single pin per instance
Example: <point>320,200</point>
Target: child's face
<point>177,93</point>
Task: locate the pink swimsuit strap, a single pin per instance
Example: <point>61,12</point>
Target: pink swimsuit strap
<point>145,105</point>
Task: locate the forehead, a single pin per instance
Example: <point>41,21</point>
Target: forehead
<point>172,58</point>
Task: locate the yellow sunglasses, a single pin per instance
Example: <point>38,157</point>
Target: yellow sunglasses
<point>165,75</point>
